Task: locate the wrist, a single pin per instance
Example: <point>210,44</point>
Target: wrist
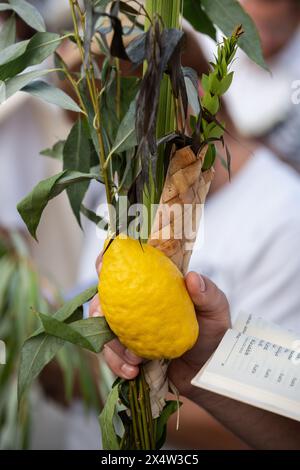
<point>210,401</point>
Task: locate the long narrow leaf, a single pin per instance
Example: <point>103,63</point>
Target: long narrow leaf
<point>27,12</point>
<point>8,33</point>
<point>90,334</point>
<point>33,205</point>
<point>77,156</point>
<point>40,348</point>
<point>40,46</point>
<point>51,94</point>
<point>20,81</point>
<point>109,438</point>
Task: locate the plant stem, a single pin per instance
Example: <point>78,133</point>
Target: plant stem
<point>139,415</point>
<point>118,93</point>
<point>146,425</point>
<point>148,408</point>
<point>133,416</point>
<point>95,98</point>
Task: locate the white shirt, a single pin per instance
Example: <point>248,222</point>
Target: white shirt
<point>251,247</point>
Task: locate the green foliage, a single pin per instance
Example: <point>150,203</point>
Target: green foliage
<point>77,157</point>
<point>27,12</point>
<point>196,15</point>
<point>51,94</point>
<point>211,103</point>
<point>110,440</point>
<point>96,219</point>
<point>13,51</point>
<point>126,136</point>
<point>170,408</point>
<point>20,290</point>
<point>20,81</point>
<point>56,151</point>
<point>204,15</point>
<point>8,32</point>
<point>33,205</point>
<point>209,157</point>
<point>41,348</point>
<point>215,84</point>
<point>227,14</point>
<point>40,46</point>
<point>90,334</point>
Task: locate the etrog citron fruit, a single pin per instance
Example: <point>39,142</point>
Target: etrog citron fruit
<point>144,299</point>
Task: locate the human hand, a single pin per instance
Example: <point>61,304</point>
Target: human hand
<point>212,312</point>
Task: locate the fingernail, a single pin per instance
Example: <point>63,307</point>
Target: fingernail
<point>202,284</point>
<point>130,355</point>
<point>128,370</point>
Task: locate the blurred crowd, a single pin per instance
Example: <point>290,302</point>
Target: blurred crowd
<point>251,237</point>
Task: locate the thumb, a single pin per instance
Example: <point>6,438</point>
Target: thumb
<point>206,296</point>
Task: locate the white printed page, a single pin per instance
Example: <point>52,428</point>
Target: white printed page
<point>255,371</point>
<point>261,328</point>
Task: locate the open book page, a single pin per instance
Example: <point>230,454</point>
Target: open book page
<point>255,371</point>
<point>261,328</point>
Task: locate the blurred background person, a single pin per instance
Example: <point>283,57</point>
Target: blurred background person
<point>260,107</point>
<point>250,222</point>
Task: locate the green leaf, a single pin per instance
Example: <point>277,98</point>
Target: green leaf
<point>209,157</point>
<point>40,46</point>
<point>126,136</point>
<point>8,33</point>
<point>213,131</point>
<point>205,82</point>
<point>56,151</point>
<point>70,307</point>
<point>40,348</point>
<point>27,12</point>
<point>52,95</point>
<point>101,4</point>
<point>33,205</point>
<point>65,359</point>
<point>60,64</point>
<point>72,177</point>
<point>227,15</point>
<point>93,217</point>
<point>194,13</point>
<point>91,334</point>
<point>110,439</point>
<point>13,51</point>
<point>77,156</point>
<point>215,83</point>
<point>211,103</point>
<point>226,83</point>
<point>170,408</point>
<point>36,353</point>
<point>17,83</point>
<point>2,92</point>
